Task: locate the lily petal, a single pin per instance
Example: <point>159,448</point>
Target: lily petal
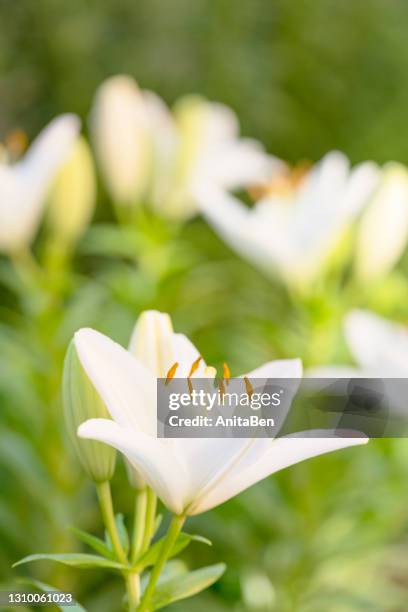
<point>127,388</point>
<point>153,460</point>
<point>282,453</point>
<point>24,185</point>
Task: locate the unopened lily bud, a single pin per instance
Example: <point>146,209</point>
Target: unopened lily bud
<point>81,403</point>
<point>383,232</point>
<point>119,127</point>
<point>72,199</point>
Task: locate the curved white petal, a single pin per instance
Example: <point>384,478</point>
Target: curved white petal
<point>206,461</point>
<point>282,453</point>
<point>152,459</point>
<point>363,180</point>
<point>48,151</point>
<point>238,164</point>
<point>238,225</point>
<point>124,384</point>
<point>24,186</point>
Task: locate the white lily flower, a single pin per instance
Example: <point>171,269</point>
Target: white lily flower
<point>24,184</point>
<point>150,154</point>
<point>296,226</point>
<point>383,231</point>
<point>189,475</point>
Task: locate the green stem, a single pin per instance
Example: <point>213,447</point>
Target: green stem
<point>168,543</point>
<point>149,519</point>
<point>139,524</point>
<point>105,501</point>
<point>133,591</point>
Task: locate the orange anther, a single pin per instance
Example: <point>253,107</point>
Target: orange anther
<point>226,372</point>
<point>221,387</point>
<point>194,366</point>
<point>171,372</point>
<point>249,388</point>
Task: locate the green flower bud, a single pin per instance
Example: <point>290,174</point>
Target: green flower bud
<point>72,199</point>
<point>82,402</point>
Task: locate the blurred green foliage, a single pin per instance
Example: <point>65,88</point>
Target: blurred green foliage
<point>304,77</point>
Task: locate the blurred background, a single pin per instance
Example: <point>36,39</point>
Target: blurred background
<point>304,77</point>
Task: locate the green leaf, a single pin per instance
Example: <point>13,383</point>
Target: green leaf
<point>74,560</point>
<point>150,557</point>
<point>123,534</point>
<point>96,543</point>
<point>46,588</point>
<point>186,585</point>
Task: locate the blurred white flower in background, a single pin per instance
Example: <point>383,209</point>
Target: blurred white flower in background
<point>189,475</point>
<point>24,184</point>
<point>148,154</point>
<point>299,220</point>
<point>383,230</point>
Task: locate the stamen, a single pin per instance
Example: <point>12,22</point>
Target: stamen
<point>221,387</point>
<point>249,388</point>
<point>171,372</point>
<point>226,372</point>
<point>194,366</point>
<point>16,143</point>
<point>283,183</point>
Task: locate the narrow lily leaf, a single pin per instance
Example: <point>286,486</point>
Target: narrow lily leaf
<point>96,543</point>
<point>123,534</point>
<point>46,588</point>
<point>186,585</point>
<point>150,557</point>
<point>74,560</point>
<point>172,569</point>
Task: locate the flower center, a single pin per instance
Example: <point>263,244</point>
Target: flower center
<point>283,184</point>
<point>14,146</point>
